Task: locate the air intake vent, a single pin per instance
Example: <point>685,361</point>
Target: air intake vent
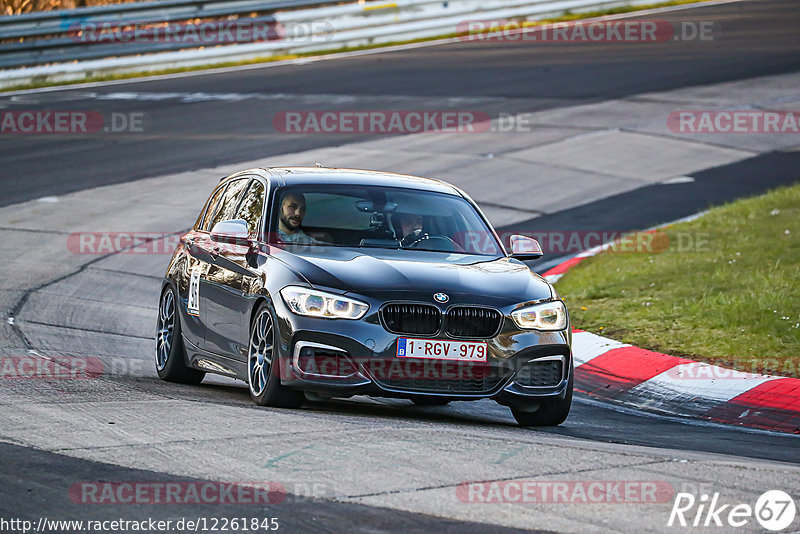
<point>419,319</point>
<point>470,321</point>
<point>546,373</point>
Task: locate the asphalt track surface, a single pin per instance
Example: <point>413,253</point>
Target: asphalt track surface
<point>28,496</point>
<point>758,38</point>
<point>754,38</point>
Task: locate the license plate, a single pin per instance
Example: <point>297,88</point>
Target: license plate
<point>442,349</point>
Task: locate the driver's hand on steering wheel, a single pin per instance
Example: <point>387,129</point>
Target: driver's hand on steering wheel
<point>412,238</point>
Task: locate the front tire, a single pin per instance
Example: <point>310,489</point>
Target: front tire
<point>170,351</point>
<point>550,413</point>
<point>263,365</point>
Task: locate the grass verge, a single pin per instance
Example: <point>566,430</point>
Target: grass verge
<point>726,289</point>
<point>568,16</point>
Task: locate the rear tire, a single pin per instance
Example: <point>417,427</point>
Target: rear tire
<point>170,350</point>
<point>550,413</point>
<point>263,365</point>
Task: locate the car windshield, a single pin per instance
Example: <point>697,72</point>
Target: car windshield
<point>379,217</point>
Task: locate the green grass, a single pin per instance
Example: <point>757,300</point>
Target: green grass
<point>111,77</point>
<point>732,300</point>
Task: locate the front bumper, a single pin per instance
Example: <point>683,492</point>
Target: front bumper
<point>359,357</point>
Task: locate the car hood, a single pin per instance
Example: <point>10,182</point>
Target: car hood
<point>382,272</point>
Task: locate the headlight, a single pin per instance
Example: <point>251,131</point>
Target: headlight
<point>305,301</point>
<point>544,316</point>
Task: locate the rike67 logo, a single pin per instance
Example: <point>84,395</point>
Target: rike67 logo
<point>774,510</point>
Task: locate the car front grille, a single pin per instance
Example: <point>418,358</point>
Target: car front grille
<point>457,378</point>
<point>471,321</point>
<point>545,373</point>
<point>420,319</point>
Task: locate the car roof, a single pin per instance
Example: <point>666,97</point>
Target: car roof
<point>325,175</point>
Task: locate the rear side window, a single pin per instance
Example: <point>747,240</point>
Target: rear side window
<point>251,207</point>
<point>226,209</point>
<point>211,208</point>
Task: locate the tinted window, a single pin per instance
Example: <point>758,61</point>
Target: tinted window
<point>211,207</point>
<point>388,217</point>
<point>251,207</point>
<point>230,200</point>
<point>335,211</point>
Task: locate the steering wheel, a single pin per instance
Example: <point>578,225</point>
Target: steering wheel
<point>434,242</point>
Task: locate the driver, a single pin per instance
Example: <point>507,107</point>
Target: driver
<point>410,228</point>
<point>293,210</point>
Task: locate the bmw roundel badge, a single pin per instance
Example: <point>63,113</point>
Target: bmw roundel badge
<point>441,297</point>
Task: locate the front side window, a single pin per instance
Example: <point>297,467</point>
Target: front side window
<point>251,207</point>
<point>379,217</point>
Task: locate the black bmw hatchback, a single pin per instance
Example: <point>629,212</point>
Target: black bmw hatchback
<point>313,283</point>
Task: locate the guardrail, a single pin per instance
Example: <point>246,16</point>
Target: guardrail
<point>55,46</point>
<point>43,23</point>
<point>59,38</point>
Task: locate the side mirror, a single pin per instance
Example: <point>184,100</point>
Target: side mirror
<point>233,231</point>
<point>525,248</point>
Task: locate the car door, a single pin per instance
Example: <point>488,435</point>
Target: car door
<point>198,259</point>
<point>224,287</point>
